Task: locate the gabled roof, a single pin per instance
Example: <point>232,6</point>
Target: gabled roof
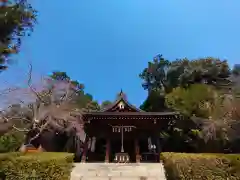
<point>121,99</point>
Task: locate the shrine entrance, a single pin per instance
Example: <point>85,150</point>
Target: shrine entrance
<point>129,148</point>
<point>99,153</point>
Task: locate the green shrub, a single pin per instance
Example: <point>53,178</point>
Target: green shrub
<point>11,141</point>
<point>36,166</point>
<point>183,166</point>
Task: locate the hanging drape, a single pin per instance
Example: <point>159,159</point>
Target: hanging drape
<point>149,143</point>
<point>93,144</point>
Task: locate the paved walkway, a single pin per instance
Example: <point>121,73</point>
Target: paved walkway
<point>111,171</point>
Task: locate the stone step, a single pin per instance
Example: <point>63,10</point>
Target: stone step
<point>111,171</point>
<point>120,174</point>
<point>117,178</point>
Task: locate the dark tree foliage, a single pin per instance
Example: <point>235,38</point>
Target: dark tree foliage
<point>158,75</point>
<point>58,75</point>
<point>211,71</point>
<point>155,102</point>
<point>236,70</point>
<point>165,75</point>
<point>183,85</point>
<point>105,104</point>
<point>17,19</point>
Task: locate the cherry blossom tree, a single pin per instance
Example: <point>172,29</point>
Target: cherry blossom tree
<point>49,105</point>
<point>223,118</point>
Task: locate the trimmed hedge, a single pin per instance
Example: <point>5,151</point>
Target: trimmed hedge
<point>184,166</point>
<point>39,166</point>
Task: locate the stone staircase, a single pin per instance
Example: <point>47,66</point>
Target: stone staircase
<point>112,171</point>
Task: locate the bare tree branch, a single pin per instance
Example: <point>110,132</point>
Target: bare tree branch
<point>29,81</point>
<point>20,130</point>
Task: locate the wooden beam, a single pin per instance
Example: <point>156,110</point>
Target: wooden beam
<point>158,147</point>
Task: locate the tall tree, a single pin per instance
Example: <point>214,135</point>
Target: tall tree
<point>17,19</point>
<point>165,75</point>
<point>159,75</point>
<point>84,100</point>
<point>202,90</point>
<point>46,107</point>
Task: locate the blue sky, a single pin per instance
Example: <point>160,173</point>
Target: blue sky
<point>105,44</point>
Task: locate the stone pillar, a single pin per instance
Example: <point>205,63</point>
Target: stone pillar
<point>137,151</point>
<point>85,149</point>
<point>107,151</point>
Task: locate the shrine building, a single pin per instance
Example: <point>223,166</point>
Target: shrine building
<point>121,132</point>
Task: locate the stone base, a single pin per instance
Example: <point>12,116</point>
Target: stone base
<point>138,158</point>
<point>83,160</point>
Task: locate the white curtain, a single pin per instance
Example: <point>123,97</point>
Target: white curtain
<point>89,143</point>
<point>93,144</point>
<point>149,143</point>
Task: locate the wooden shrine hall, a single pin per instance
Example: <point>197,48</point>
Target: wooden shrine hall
<point>123,133</point>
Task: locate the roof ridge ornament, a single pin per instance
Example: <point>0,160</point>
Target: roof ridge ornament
<point>122,95</point>
<point>122,103</point>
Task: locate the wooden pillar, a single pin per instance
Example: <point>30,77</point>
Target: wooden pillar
<point>137,151</point>
<point>85,149</point>
<point>107,154</point>
<point>158,148</point>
